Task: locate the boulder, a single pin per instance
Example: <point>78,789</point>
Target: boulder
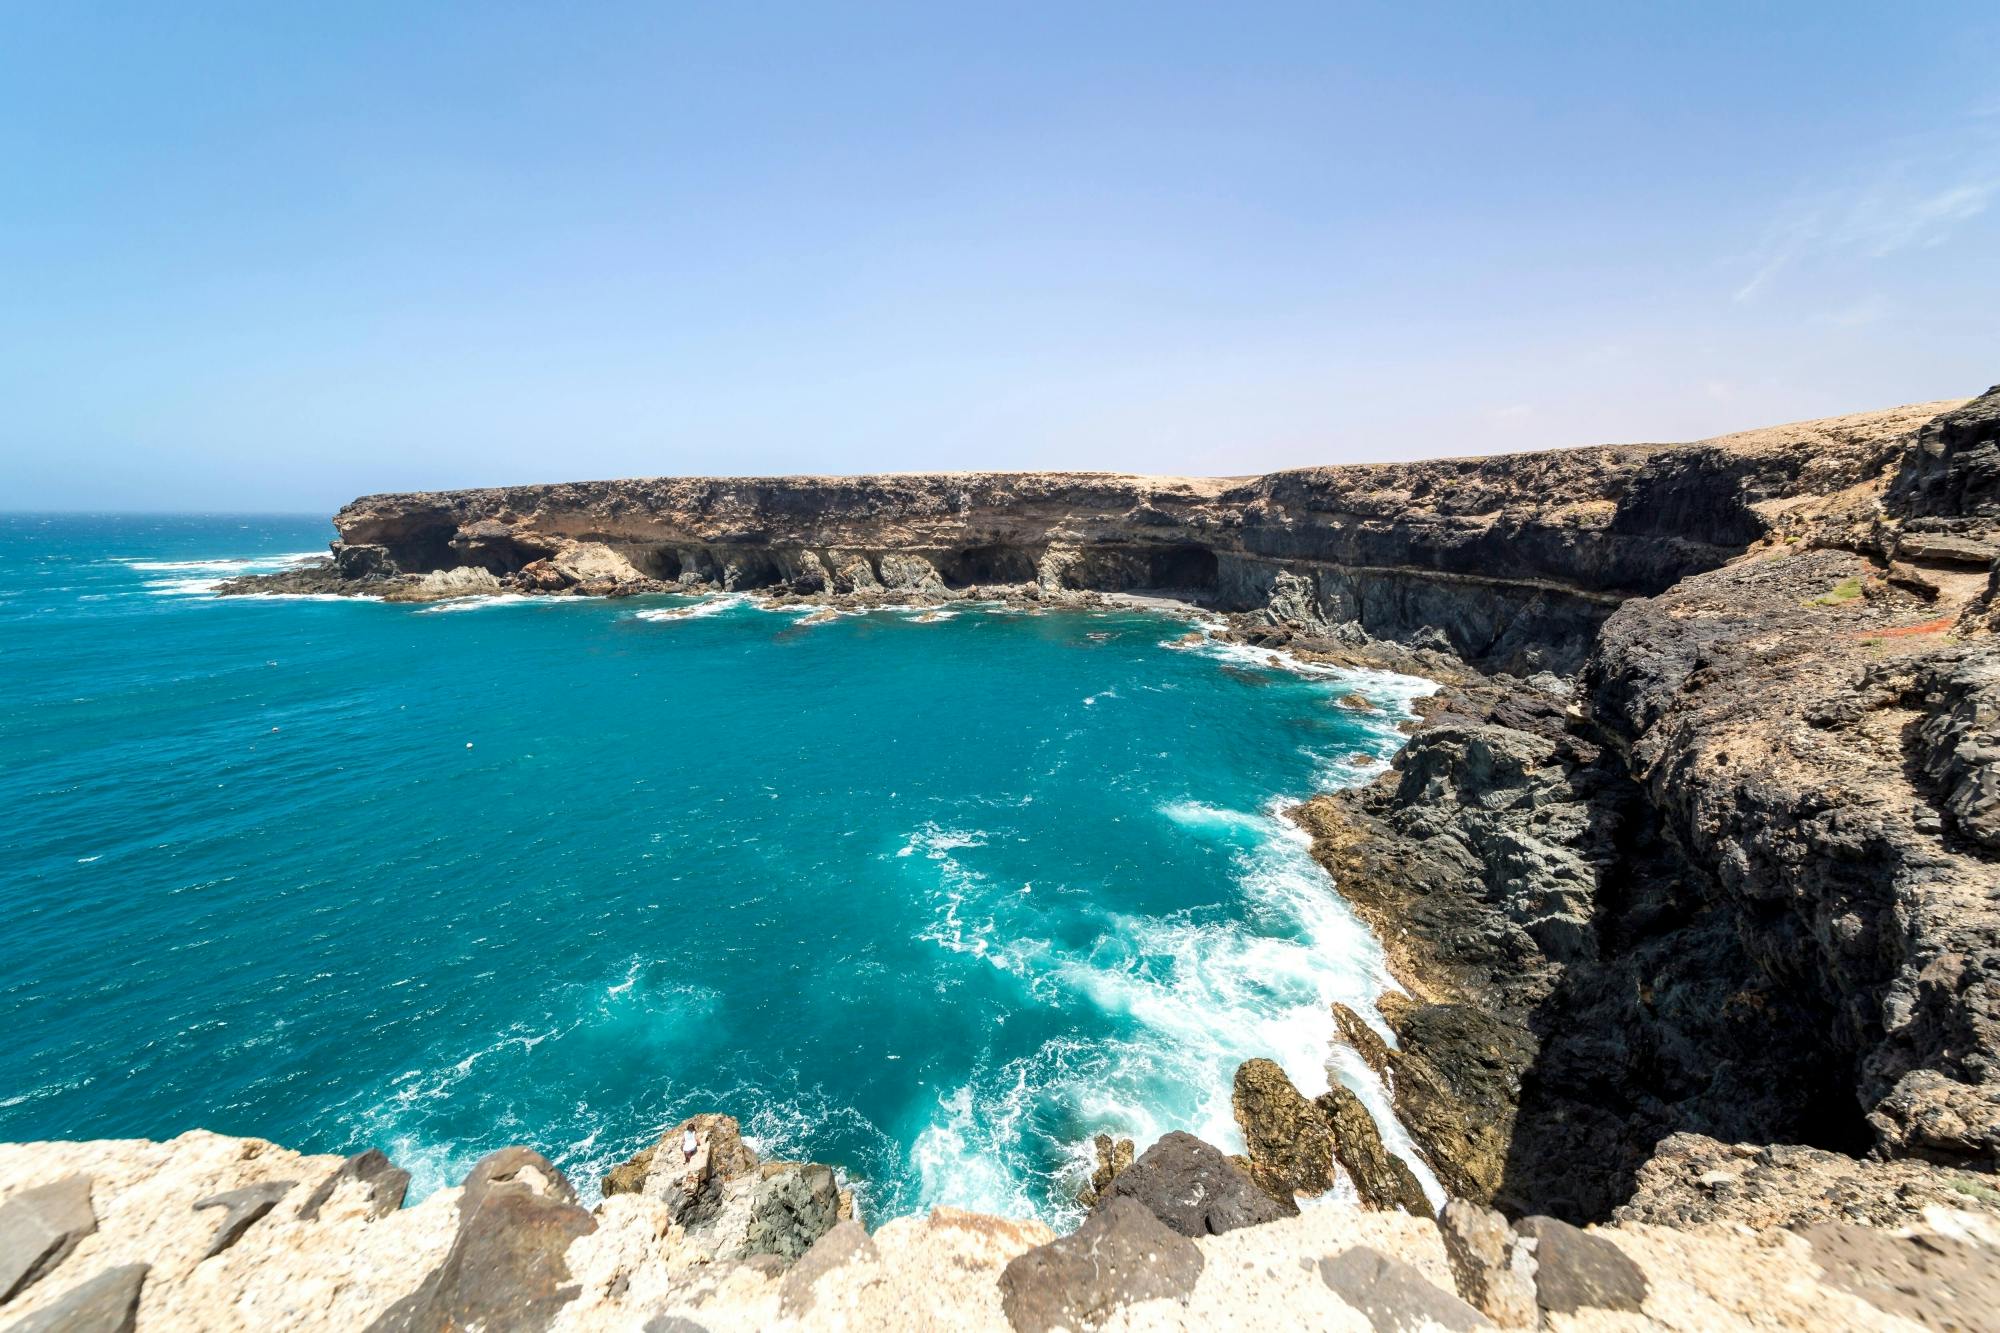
<point>38,1229</point>
<point>1120,1255</point>
<point>506,1271</point>
<point>1575,1270</point>
<point>1493,1268</point>
<point>384,1182</point>
<point>1193,1188</point>
<point>1290,1144</point>
<point>241,1210</point>
<point>1380,1177</point>
<point>107,1303</point>
<point>1395,1297</point>
<point>791,1207</point>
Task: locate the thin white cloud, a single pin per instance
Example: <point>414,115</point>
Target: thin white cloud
<point>1917,199</point>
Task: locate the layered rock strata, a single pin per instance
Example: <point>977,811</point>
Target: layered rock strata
<point>1509,562</point>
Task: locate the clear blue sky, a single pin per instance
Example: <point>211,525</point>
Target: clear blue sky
<point>275,255</point>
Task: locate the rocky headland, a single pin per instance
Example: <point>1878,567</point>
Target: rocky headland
<point>1689,874</point>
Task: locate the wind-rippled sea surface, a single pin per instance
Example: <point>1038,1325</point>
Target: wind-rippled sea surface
<point>932,899</point>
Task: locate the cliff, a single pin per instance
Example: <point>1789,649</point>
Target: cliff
<point>1508,562</point>
<point>1691,878</point>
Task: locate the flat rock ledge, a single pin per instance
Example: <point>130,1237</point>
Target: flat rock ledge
<point>125,1235</point>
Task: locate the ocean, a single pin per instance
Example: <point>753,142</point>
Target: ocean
<point>932,899</point>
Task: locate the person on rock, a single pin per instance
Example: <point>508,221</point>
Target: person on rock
<point>689,1146</point>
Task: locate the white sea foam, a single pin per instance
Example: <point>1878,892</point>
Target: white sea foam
<point>713,605</point>
<point>481,603</point>
<point>200,577</point>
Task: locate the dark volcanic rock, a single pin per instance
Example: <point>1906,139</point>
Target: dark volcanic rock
<point>792,1206</point>
<point>242,1208</point>
<point>1380,1177</point>
<point>1194,1189</point>
<point>506,1271</point>
<point>107,1303</point>
<point>38,1229</point>
<point>1395,1297</point>
<point>1575,1270</point>
<point>385,1183</point>
<point>1121,1254</point>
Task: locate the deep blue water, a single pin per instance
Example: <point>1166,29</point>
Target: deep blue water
<point>930,900</point>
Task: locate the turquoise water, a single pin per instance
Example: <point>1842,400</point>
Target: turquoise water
<point>929,900</point>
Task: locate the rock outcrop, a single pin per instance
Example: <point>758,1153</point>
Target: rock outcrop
<point>1509,562</point>
<point>1738,884</point>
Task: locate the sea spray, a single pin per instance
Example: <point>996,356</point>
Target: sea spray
<point>884,886</point>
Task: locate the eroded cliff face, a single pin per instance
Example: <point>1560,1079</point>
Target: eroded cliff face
<point>1740,883</point>
<point>1508,562</point>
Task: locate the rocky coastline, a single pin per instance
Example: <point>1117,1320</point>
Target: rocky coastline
<point>1689,874</point>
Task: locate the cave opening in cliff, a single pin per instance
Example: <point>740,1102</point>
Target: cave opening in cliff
<point>974,565</point>
<point>1187,568</point>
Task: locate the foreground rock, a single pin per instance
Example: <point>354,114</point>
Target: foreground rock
<point>511,1249</point>
<point>1194,1189</point>
<point>725,1200</point>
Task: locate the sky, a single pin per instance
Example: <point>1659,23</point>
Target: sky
<point>271,256</point>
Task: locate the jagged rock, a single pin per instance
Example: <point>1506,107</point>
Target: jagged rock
<point>690,1187</point>
<point>384,1182</point>
<point>1366,1041</point>
<point>1575,1270</point>
<point>1493,1268</point>
<point>1395,1297</point>
<point>506,1271</point>
<point>1692,1180</point>
<point>1121,1254</point>
<point>845,1243</point>
<point>1194,1189</point>
<point>38,1229</point>
<point>1380,1177</point>
<point>1290,1144</point>
<point>1113,1156</point>
<point>107,1303</point>
<point>1933,1280</point>
<point>1458,1074</point>
<point>792,1206</point>
<point>241,1209</point>
<point>359,561</point>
